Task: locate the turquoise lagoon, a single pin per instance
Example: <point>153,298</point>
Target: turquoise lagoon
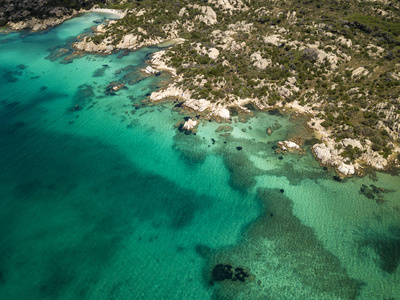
<point>100,199</point>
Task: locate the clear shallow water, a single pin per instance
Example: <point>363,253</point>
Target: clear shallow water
<point>111,202</point>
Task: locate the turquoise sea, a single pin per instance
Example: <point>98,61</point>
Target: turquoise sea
<point>101,197</point>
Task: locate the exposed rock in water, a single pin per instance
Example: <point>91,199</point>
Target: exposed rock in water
<point>187,127</point>
<point>113,87</point>
<point>190,124</point>
<point>337,178</point>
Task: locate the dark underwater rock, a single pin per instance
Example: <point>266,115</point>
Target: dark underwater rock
<point>223,272</point>
<point>240,275</point>
<point>337,178</point>
<point>76,108</point>
<point>373,192</point>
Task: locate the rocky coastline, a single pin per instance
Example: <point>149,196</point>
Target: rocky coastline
<point>328,152</point>
<point>348,156</point>
<point>54,17</point>
<point>36,24</point>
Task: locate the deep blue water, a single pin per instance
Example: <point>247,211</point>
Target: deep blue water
<point>102,199</point>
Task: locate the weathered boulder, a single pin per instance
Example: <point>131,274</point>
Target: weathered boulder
<point>260,62</point>
<point>213,53</point>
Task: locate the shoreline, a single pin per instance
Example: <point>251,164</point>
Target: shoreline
<point>328,152</point>
<point>343,168</point>
<point>115,12</point>
<point>33,24</point>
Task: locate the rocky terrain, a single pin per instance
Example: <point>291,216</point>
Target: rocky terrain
<point>337,61</point>
<point>40,14</point>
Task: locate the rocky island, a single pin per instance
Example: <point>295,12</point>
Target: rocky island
<point>336,61</point>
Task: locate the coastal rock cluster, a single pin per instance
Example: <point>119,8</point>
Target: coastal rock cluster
<point>35,15</point>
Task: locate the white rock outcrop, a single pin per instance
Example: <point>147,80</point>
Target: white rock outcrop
<point>274,39</point>
<point>213,53</point>
<point>360,71</point>
<point>230,5</point>
<point>199,105</point>
<point>208,16</point>
<point>331,157</point>
<point>324,155</point>
<point>223,113</point>
<point>260,62</point>
<point>288,145</point>
<point>169,92</point>
<point>346,169</point>
<point>345,42</point>
<point>149,70</point>
<point>189,124</point>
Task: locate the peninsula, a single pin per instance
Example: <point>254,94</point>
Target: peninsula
<point>336,61</point>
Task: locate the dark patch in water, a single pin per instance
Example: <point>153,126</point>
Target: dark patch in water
<point>11,105</point>
<point>190,148</point>
<point>311,142</point>
<point>2,277</point>
<point>122,54</point>
<point>99,72</point>
<point>83,96</point>
<point>27,189</point>
<point>233,111</point>
<point>58,280</point>
<point>388,250</point>
<point>203,251</point>
<point>337,178</point>
<point>178,104</point>
<point>293,248</point>
<point>223,272</point>
<point>275,112</point>
<point>16,126</point>
<point>11,76</point>
<point>242,171</point>
<point>250,106</point>
<point>100,210</point>
<point>239,148</point>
